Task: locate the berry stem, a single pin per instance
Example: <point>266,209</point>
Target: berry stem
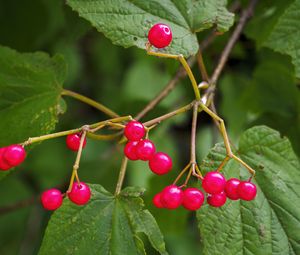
<point>185,66</point>
<point>73,131</point>
<point>169,115</point>
<point>193,136</point>
<point>77,161</point>
<point>182,173</point>
<point>188,176</point>
<point>121,175</point>
<point>90,102</point>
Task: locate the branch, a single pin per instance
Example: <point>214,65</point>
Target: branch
<point>246,14</point>
<point>18,205</point>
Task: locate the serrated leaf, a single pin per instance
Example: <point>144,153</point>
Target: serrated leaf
<point>276,26</point>
<point>30,87</point>
<point>126,23</point>
<point>270,223</point>
<point>106,225</point>
<point>285,35</point>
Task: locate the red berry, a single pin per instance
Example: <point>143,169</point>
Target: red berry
<point>231,188</point>
<point>145,149</point>
<point>73,141</point>
<point>160,163</point>
<point>217,200</point>
<point>192,199</point>
<point>51,199</point>
<point>160,35</point>
<point>247,190</point>
<point>171,197</point>
<point>157,201</point>
<point>14,154</point>
<point>213,182</point>
<point>80,193</point>
<point>134,130</point>
<point>3,164</point>
<point>129,150</point>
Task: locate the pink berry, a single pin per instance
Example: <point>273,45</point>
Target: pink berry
<point>80,193</point>
<point>160,163</point>
<point>73,141</point>
<point>145,149</point>
<point>247,190</point>
<point>231,188</point>
<point>213,182</point>
<point>51,199</point>
<point>157,201</point>
<point>217,200</point>
<point>129,150</point>
<point>192,199</point>
<point>3,164</point>
<point>171,197</point>
<point>160,35</point>
<point>14,154</point>
<point>134,131</point>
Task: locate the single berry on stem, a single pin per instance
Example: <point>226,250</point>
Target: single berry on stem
<point>160,163</point>
<point>73,141</point>
<point>192,199</point>
<point>231,188</point>
<point>217,200</point>
<point>145,149</point>
<point>213,182</point>
<point>129,150</point>
<point>160,35</point>
<point>51,199</point>
<point>134,130</point>
<point>157,201</point>
<point>247,190</point>
<point>171,197</point>
<point>14,154</point>
<point>80,193</point>
<point>3,164</point>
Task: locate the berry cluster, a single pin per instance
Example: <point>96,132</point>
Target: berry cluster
<point>11,156</point>
<point>52,199</point>
<point>214,184</point>
<point>138,148</point>
<point>80,193</point>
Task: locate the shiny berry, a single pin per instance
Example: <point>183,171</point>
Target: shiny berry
<point>14,154</point>
<point>247,190</point>
<point>157,201</point>
<point>213,182</point>
<point>160,163</point>
<point>51,199</point>
<point>171,197</point>
<point>145,149</point>
<point>217,200</point>
<point>231,188</point>
<point>192,199</point>
<point>129,150</point>
<point>73,141</point>
<point>80,193</point>
<point>160,35</point>
<point>3,164</point>
<point>134,131</point>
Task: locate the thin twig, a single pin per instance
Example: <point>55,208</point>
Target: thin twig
<point>18,205</point>
<point>233,39</point>
<point>201,66</point>
<point>121,175</point>
<point>90,102</point>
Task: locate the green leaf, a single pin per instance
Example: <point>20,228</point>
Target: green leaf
<point>270,223</point>
<point>126,23</point>
<point>285,36</point>
<point>30,87</point>
<point>276,26</point>
<point>106,225</point>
